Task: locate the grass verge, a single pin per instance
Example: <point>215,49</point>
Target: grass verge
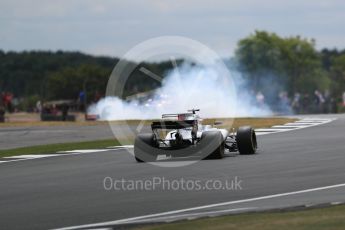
<point>317,219</point>
<point>254,122</point>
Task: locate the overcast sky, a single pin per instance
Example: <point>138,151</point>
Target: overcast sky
<point>113,27</point>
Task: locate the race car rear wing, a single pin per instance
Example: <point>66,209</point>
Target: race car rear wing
<point>176,115</point>
<point>173,124</point>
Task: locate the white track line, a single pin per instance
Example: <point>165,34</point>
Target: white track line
<point>297,124</point>
<point>190,215</point>
<point>286,126</point>
<point>300,124</point>
<point>62,153</point>
<point>84,151</point>
<point>130,220</point>
<point>269,130</point>
<point>31,156</point>
<point>309,122</point>
<point>120,146</point>
<point>263,133</point>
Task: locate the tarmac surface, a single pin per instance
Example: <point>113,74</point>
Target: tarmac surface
<point>14,137</point>
<point>295,168</point>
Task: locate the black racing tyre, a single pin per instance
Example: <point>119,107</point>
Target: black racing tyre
<point>214,137</point>
<point>143,147</point>
<point>246,140</point>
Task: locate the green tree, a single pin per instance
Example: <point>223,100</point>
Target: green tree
<point>68,82</point>
<point>258,55</point>
<point>293,61</point>
<point>338,75</point>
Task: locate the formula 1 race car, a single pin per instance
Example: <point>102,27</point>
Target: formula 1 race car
<point>182,137</point>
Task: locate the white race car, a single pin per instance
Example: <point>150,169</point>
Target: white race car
<point>182,136</point>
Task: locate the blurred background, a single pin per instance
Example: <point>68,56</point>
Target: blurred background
<point>56,56</point>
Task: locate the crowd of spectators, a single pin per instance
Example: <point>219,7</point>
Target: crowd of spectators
<point>6,101</point>
<point>314,103</point>
<point>5,104</point>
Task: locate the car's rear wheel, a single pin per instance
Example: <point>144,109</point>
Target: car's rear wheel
<point>143,147</point>
<point>246,140</point>
<point>213,138</point>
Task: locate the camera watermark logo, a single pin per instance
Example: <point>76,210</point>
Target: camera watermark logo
<point>164,184</point>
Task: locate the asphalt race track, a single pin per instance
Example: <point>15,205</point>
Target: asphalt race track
<point>301,167</point>
<point>14,137</point>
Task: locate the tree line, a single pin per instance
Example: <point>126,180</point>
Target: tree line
<point>274,64</point>
<point>46,75</point>
<point>291,60</point>
<point>264,58</point>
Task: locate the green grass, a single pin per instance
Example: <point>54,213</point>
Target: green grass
<point>330,218</point>
<point>53,148</point>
